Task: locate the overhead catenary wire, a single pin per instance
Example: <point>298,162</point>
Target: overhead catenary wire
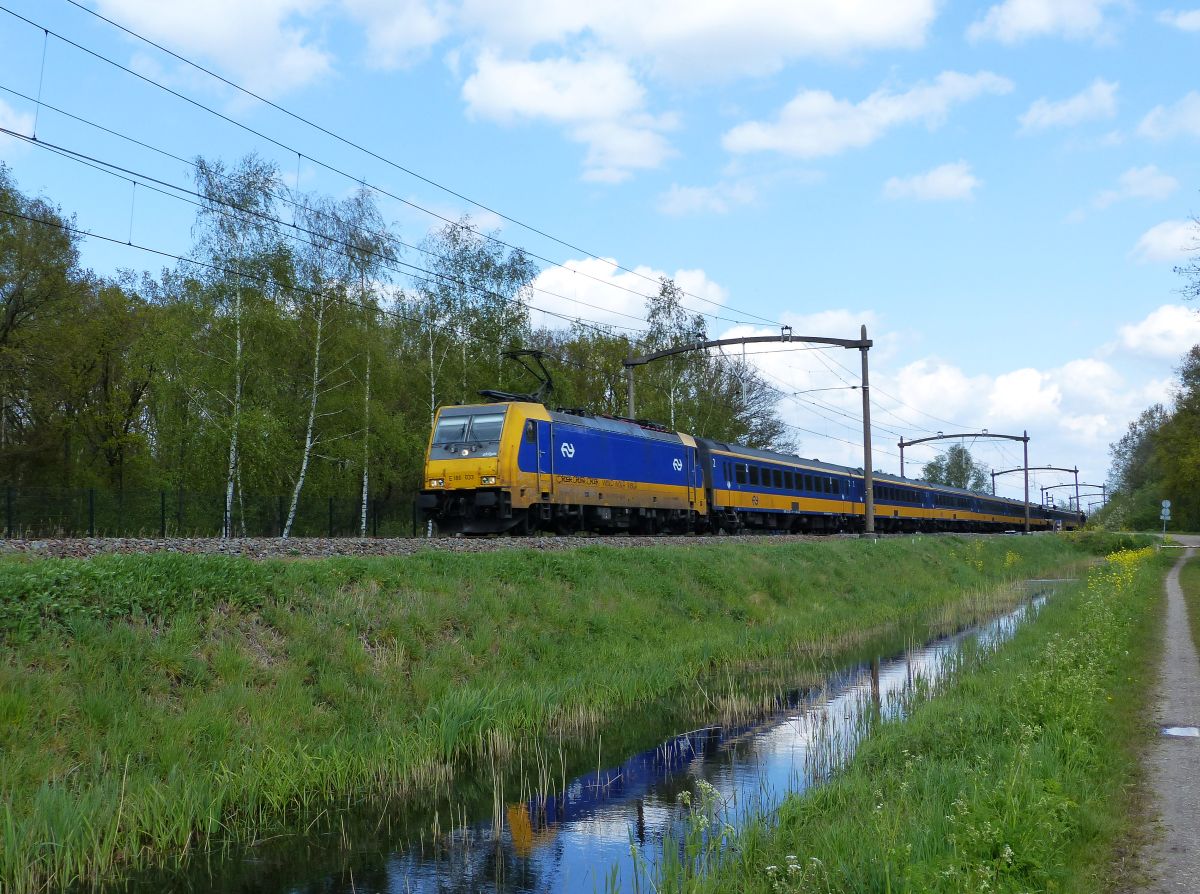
<point>359,180</point>
<point>282,198</point>
<point>387,161</point>
<point>289,230</point>
<point>454,330</point>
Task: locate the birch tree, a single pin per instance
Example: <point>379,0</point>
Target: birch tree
<point>475,298</point>
<point>236,228</point>
<point>347,246</point>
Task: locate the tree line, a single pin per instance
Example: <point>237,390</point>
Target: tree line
<point>302,349</point>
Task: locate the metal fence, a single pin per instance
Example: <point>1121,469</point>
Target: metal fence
<point>90,512</point>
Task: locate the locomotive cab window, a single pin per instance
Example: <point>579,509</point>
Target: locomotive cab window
<point>530,432</point>
<point>469,433</point>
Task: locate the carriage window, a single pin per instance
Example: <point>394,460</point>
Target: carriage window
<point>740,470</point>
<point>808,482</point>
<point>754,474</point>
<point>837,486</point>
<point>825,485</point>
<point>789,481</point>
<point>777,478</point>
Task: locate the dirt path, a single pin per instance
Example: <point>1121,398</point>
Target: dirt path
<point>1173,764</point>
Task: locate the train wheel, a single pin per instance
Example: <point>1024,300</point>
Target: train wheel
<point>524,527</point>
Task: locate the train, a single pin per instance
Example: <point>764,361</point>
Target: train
<point>518,467</point>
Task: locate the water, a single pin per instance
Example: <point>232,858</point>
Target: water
<point>579,838</point>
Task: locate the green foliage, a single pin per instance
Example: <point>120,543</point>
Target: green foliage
<point>1015,778</point>
<point>957,468</point>
<point>150,705</point>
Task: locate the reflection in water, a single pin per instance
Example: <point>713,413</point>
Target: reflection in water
<point>580,838</point>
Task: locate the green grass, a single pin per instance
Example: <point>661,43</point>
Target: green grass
<point>151,705</point>
<point>1019,776</point>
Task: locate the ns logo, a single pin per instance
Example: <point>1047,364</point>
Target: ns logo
<point>677,464</point>
<point>567,449</point>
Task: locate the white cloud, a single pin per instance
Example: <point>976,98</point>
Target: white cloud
<point>815,123</point>
<point>1015,20</point>
<point>1023,396</point>
<point>263,44</point>
<point>1090,379</point>
<point>834,323</point>
<point>399,32</point>
<point>597,98</point>
<point>1099,100</point>
<point>1185,20</point>
<point>946,182</point>
<point>1138,183</point>
<point>561,90</point>
<point>18,122</point>
<point>1171,240</point>
<point>617,148</point>
<point>680,201</point>
<point>1166,333</point>
<point>1181,119</point>
<point>705,39</point>
<point>594,289</point>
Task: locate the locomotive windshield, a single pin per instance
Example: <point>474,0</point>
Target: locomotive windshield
<point>468,433</point>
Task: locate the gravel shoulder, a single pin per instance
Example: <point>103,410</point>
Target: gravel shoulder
<point>322,547</point>
<point>1173,764</point>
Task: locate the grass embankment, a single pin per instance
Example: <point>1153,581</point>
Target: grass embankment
<point>153,704</point>
<point>1020,775</point>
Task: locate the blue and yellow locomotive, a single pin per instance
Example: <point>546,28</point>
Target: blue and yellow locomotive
<point>516,466</point>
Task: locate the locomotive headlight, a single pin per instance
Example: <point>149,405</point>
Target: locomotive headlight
<point>437,482</point>
<point>487,479</point>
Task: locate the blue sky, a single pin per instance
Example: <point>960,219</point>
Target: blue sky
<point>999,191</point>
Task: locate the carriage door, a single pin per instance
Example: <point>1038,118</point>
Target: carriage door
<point>545,461</point>
<point>690,454</point>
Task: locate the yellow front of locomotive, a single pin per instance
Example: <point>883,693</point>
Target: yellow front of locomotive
<point>470,466</point>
